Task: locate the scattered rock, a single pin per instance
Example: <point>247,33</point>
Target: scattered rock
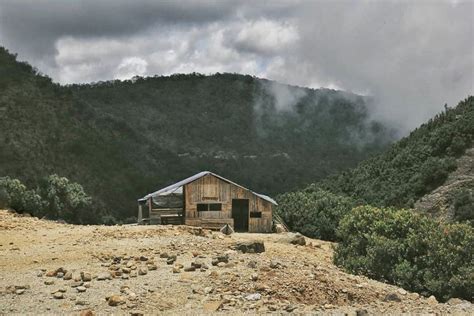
<point>20,291</point>
<point>279,229</point>
<point>197,263</point>
<point>104,276</point>
<point>49,282</point>
<point>252,264</point>
<point>86,276</point>
<point>254,277</point>
<point>298,239</point>
<point>256,246</point>
<point>115,300</point>
<point>220,258</point>
<point>392,297</point>
<point>81,289</point>
<point>454,301</point>
<point>221,264</point>
<point>275,264</point>
<point>163,255</point>
<point>402,292</point>
<point>143,258</point>
<point>289,308</point>
<point>152,267</point>
<point>171,259</point>
<point>253,297</point>
<point>190,269</point>
<point>212,306</point>
<point>432,300</point>
<point>76,283</point>
<point>67,276</point>
<point>176,269</point>
<point>58,295</point>
<point>142,271</point>
<point>87,312</point>
<point>361,312</point>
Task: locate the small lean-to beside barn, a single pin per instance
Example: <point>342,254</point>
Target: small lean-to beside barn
<point>209,201</point>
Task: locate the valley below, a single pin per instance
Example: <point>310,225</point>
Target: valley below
<point>52,268</point>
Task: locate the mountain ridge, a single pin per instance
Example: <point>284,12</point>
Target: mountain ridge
<point>121,139</point>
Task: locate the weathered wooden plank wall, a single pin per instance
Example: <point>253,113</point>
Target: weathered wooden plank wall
<point>210,189</point>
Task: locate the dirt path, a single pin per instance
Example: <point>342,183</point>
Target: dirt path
<point>132,260</point>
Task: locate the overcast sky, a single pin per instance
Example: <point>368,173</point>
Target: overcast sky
<point>412,56</point>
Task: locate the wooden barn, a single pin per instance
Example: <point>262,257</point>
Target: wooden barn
<point>209,201</point>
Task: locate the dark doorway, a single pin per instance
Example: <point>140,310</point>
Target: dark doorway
<point>240,214</point>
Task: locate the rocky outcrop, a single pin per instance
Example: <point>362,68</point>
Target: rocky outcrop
<point>439,203</point>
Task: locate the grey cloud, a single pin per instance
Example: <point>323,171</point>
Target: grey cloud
<point>32,26</point>
<point>411,57</point>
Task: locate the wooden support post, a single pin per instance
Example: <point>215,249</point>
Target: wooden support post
<point>150,209</point>
<point>140,214</point>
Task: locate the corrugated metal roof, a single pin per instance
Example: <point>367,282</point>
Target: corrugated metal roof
<point>175,188</point>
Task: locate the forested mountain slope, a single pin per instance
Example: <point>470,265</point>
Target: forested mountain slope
<point>122,139</point>
<point>414,166</point>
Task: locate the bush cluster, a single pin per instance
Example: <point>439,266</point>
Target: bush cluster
<point>55,198</point>
<point>463,203</point>
<point>409,250</point>
<point>315,214</point>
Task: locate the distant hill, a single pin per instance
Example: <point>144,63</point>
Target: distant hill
<point>435,159</point>
<point>122,139</point>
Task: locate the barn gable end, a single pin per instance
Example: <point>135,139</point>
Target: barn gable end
<point>211,201</point>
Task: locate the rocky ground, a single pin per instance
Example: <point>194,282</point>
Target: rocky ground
<point>52,268</point>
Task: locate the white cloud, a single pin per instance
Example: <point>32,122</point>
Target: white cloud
<point>266,36</point>
<point>131,66</point>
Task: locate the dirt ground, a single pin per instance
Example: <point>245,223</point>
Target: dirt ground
<point>52,268</point>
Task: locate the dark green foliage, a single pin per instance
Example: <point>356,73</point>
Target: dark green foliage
<point>413,166</point>
<point>463,202</point>
<point>123,139</point>
<point>410,250</point>
<point>66,200</point>
<point>56,198</point>
<point>15,195</point>
<point>316,214</point>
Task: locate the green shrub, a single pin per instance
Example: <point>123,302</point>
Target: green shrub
<point>56,198</point>
<point>64,199</point>
<point>15,195</point>
<point>109,220</point>
<point>463,202</point>
<point>315,214</point>
<point>409,250</point>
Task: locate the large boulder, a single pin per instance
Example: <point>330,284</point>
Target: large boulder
<point>298,239</point>
<point>254,246</point>
<point>293,238</point>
